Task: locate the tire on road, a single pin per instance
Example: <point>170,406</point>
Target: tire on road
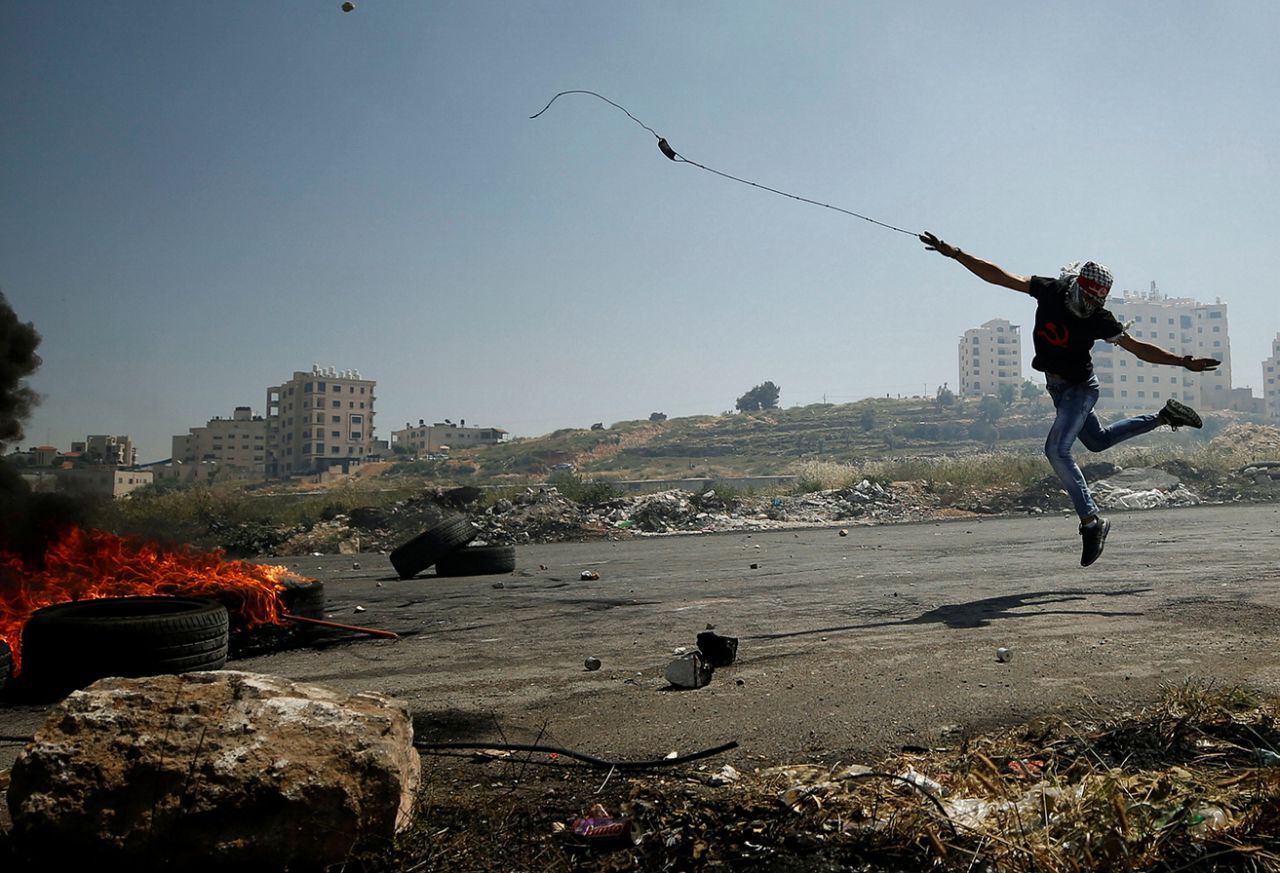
<point>477,561</point>
<point>431,545</point>
<point>71,645</point>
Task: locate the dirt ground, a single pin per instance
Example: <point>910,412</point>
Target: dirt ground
<point>851,647</point>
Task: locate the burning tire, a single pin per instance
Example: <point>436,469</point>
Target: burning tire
<point>303,599</point>
<point>477,561</point>
<point>70,645</point>
<point>430,546</point>
<point>6,664</point>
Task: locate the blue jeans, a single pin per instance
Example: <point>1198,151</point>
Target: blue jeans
<point>1074,402</point>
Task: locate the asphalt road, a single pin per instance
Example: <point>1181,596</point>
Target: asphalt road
<point>850,646</point>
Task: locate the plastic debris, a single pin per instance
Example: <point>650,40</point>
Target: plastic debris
<point>720,651</point>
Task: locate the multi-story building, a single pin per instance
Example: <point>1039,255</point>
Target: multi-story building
<point>443,436</point>
<point>102,480</point>
<point>1271,382</point>
<point>990,356</point>
<point>237,445</point>
<point>102,449</point>
<point>1183,326</point>
<point>318,420</point>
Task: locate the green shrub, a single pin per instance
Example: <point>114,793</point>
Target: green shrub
<point>575,488</point>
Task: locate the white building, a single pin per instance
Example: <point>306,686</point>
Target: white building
<point>1271,382</point>
<point>319,420</point>
<point>235,446</point>
<point>1179,324</point>
<point>102,480</point>
<point>105,449</point>
<point>990,356</point>
<point>443,436</point>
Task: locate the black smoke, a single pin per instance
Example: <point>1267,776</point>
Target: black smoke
<point>27,521</point>
<point>18,360</point>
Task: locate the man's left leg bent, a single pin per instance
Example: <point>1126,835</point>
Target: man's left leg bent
<point>1097,438</point>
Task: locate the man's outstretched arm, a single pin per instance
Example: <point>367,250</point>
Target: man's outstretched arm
<point>1153,354</point>
<point>984,270</point>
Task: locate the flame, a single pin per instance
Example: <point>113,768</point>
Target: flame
<point>90,564</point>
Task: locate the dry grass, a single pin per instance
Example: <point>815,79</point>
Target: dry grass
<point>950,474</point>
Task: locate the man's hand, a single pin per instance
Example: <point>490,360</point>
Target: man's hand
<point>1198,365</point>
<point>933,244</point>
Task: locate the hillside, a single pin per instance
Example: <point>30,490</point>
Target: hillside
<point>777,441</point>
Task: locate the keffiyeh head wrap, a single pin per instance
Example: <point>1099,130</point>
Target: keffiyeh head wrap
<point>1087,287</point>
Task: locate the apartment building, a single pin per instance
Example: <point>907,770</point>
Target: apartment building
<point>1271,383</point>
<point>116,451</point>
<point>1183,326</point>
<point>102,480</point>
<point>317,420</point>
<point>990,356</point>
<point>236,446</point>
<point>443,436</point>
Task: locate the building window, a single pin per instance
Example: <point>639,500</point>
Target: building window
<point>320,387</point>
<point>337,404</point>
<point>336,419</point>
<point>356,436</point>
<point>337,434</point>
<point>307,388</point>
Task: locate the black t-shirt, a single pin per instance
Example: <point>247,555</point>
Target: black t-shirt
<point>1062,340</point>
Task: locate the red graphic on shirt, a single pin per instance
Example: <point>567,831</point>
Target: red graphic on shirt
<point>1054,335</point>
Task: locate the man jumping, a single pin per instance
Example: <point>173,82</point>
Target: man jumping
<point>1069,318</point>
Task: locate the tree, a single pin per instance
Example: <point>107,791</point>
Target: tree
<point>945,397</point>
<point>1030,390</point>
<point>990,409</point>
<point>1008,394</point>
<point>869,418</point>
<point>657,416</point>
<point>763,396</point>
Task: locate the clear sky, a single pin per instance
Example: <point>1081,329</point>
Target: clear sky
<point>199,198</point>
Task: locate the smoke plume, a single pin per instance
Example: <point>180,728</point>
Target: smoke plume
<point>18,360</point>
<point>27,521</point>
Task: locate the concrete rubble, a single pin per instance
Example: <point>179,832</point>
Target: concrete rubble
<point>205,770</point>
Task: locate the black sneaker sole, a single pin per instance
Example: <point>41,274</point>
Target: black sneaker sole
<point>1185,416</point>
<point>1085,558</point>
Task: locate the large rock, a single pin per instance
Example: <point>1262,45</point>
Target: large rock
<point>201,770</point>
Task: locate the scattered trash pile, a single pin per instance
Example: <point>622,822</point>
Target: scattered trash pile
<point>543,514</point>
<point>1191,783</point>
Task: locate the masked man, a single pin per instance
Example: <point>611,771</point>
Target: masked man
<point>1070,316</point>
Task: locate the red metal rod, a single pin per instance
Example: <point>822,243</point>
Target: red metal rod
<point>391,635</point>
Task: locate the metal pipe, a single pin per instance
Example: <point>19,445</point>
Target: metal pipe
<point>391,635</point>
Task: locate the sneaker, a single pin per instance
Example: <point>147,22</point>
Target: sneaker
<point>1095,537</point>
<point>1177,414</point>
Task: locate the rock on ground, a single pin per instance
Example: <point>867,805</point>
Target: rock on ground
<point>202,770</point>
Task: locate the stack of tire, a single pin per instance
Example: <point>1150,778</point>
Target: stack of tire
<point>446,546</point>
